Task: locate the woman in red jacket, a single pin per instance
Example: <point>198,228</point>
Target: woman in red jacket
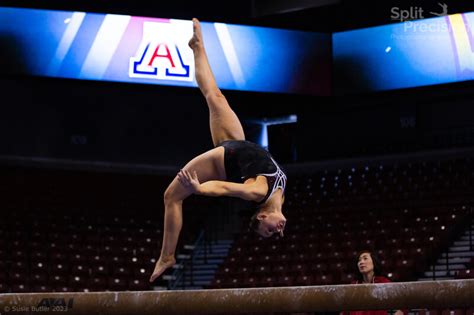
<point>369,271</point>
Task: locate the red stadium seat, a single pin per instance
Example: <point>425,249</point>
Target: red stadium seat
<point>117,284</point>
<point>280,269</point>
<point>248,282</point>
<point>244,270</point>
<point>465,274</point>
<point>121,271</point>
<point>41,288</point>
<point>304,280</point>
<point>453,312</point>
<point>58,257</point>
<point>298,269</point>
<point>20,288</point>
<point>18,277</point>
<point>63,288</point>
<point>3,275</point>
<point>57,280</point>
<point>325,279</point>
<point>77,282</point>
<point>98,283</point>
<point>222,273</point>
<point>100,269</point>
<point>60,268</point>
<point>347,278</point>
<point>39,278</point>
<point>78,257</point>
<point>262,270</point>
<point>283,281</point>
<point>3,287</point>
<point>80,269</point>
<point>139,284</point>
<point>318,268</point>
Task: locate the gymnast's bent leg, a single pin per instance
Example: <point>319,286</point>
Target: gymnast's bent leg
<point>207,168</point>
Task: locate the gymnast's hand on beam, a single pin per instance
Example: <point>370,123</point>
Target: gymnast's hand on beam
<point>161,265</point>
<point>189,181</point>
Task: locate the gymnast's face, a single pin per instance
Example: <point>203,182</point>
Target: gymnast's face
<point>271,223</point>
<point>365,263</point>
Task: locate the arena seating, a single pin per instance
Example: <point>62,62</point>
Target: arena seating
<point>406,212</point>
<point>63,231</point>
<point>80,231</point>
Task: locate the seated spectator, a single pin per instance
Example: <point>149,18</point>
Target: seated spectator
<point>369,271</point>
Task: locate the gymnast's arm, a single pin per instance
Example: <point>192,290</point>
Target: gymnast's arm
<point>215,188</point>
<point>254,191</point>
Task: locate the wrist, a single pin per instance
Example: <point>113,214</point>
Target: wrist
<point>198,190</point>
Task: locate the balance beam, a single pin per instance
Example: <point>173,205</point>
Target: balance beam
<point>389,296</point>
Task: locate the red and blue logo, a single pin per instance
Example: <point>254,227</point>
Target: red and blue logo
<point>163,53</point>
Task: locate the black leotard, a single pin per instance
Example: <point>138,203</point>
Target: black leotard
<point>244,159</point>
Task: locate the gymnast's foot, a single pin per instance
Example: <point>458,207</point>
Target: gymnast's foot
<point>161,265</point>
<point>196,40</point>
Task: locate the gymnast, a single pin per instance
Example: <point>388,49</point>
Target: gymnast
<point>234,168</point>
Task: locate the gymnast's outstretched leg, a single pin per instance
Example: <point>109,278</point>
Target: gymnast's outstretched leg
<point>224,123</point>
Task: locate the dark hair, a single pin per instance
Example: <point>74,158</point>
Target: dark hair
<point>254,222</point>
<point>375,260</point>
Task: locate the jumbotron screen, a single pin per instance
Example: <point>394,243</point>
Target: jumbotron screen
<point>405,55</point>
<point>122,48</point>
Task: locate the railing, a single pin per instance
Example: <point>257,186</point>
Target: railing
<point>471,222</point>
<point>468,221</point>
<point>180,274</point>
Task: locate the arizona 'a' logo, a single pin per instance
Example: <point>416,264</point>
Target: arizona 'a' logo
<point>163,54</point>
